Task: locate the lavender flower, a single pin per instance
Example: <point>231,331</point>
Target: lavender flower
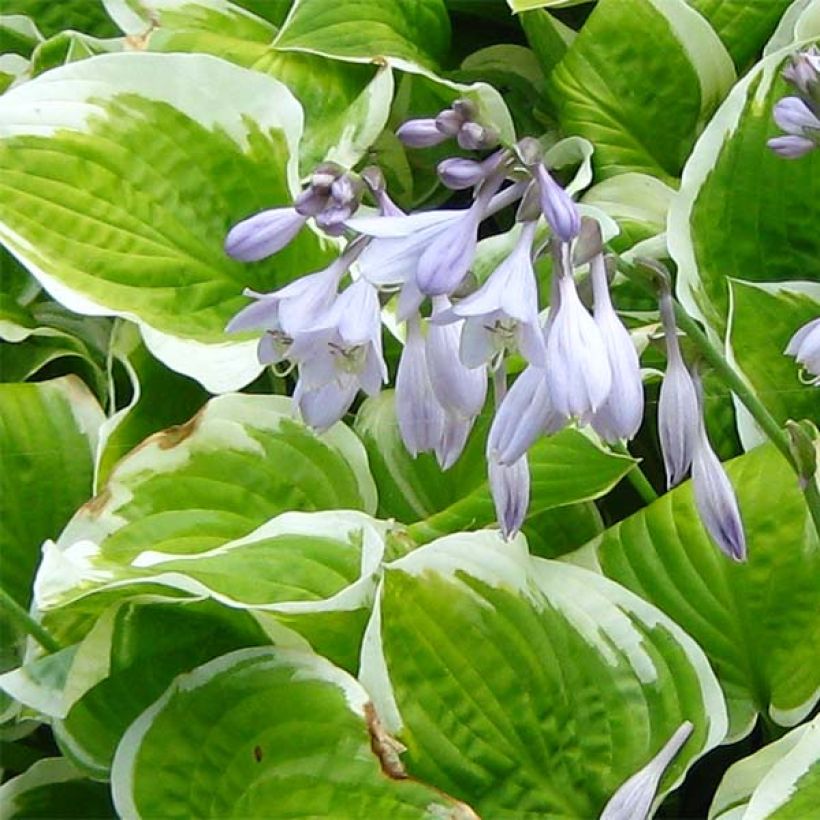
<point>804,72</point>
<point>621,414</point>
<point>798,115</point>
<point>263,234</point>
<point>510,488</point>
<point>677,405</point>
<point>503,313</point>
<point>559,210</point>
<point>791,146</point>
<point>578,372</point>
<point>453,438</point>
<point>422,133</point>
<point>458,173</point>
<point>633,800</point>
<point>805,347</point>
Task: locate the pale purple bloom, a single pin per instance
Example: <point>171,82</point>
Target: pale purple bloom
<point>804,71</point>
<point>453,438</point>
<point>458,173</point>
<point>323,407</point>
<point>559,210</point>
<point>794,116</point>
<point>578,371</point>
<point>621,414</point>
<point>449,122</point>
<point>510,488</point>
<point>421,133</point>
<point>523,415</point>
<point>503,312</point>
<point>678,411</point>
<point>715,498</point>
<point>633,799</point>
<point>805,347</point>
<point>420,415</point>
<point>791,146</point>
<point>263,234</point>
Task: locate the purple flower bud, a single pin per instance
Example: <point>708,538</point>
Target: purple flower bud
<point>449,122</point>
<point>559,210</point>
<point>333,218</point>
<point>344,190</point>
<point>715,499</point>
<point>263,234</point>
<point>633,800</point>
<point>419,414</point>
<point>578,370</point>
<point>465,108</point>
<point>791,146</point>
<point>420,134</point>
<point>805,347</point>
<point>324,175</point>
<point>621,414</point>
<point>475,137</point>
<point>794,116</point>
<point>310,202</point>
<point>804,71</point>
<point>524,414</point>
<point>510,488</point>
<point>677,405</point>
<point>457,173</point>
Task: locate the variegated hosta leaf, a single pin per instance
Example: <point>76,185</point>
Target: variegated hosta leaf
<point>763,319</point>
<point>164,173</point>
<point>756,621</point>
<point>52,787</point>
<point>733,179</point>
<point>80,15</point>
<point>528,687</point>
<point>781,780</point>
<point>671,70</point>
<point>267,733</point>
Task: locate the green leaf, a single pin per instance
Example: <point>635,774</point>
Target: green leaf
<point>296,741</point>
<point>81,15</point>
<point>48,434</point>
<point>417,32</point>
<point>164,174</point>
<point>743,27</point>
<point>18,34</point>
<point>761,322</point>
<point>526,5</point>
<point>781,780</point>
<point>53,788</point>
<point>548,37</point>
<point>534,688</point>
<point>273,10</point>
<point>671,69</point>
<point>732,179</point>
<point>755,621</point>
<point>68,47</point>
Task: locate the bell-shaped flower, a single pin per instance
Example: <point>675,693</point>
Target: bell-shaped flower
<point>420,416</point>
<point>322,407</point>
<point>459,389</point>
<point>557,205</point>
<point>633,799</point>
<point>620,415</point>
<point>503,312</point>
<point>715,498</point>
<point>677,404</point>
<point>578,371</point>
<point>805,347</point>
<point>510,489</point>
<point>453,438</point>
<point>524,414</point>
<point>263,234</point>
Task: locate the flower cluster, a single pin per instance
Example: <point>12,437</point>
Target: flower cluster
<point>799,115</point>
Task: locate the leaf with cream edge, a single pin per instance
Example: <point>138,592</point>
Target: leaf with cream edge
<point>755,621</point>
<point>142,238</point>
<point>781,781</point>
<point>762,320</point>
<point>187,755</point>
<point>672,68</point>
<point>534,687</point>
<point>733,179</point>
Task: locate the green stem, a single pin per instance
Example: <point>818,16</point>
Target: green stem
<point>21,618</point>
<point>636,477</point>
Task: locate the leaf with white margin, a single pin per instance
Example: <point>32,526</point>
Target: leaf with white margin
<point>417,32</point>
<point>672,69</point>
<point>52,787</point>
<point>762,320</point>
<point>297,740</point>
<point>240,461</point>
<point>733,179</point>
<point>743,27</point>
<point>70,46</point>
<point>533,687</point>
<point>798,15</point>
<point>18,34</point>
<point>756,621</point>
<point>526,5</point>
<point>48,433</point>
<point>135,181</point>
<point>781,780</point>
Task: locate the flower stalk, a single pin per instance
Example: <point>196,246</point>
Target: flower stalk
<point>21,618</point>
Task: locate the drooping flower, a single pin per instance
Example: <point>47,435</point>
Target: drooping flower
<point>633,799</point>
<point>510,488</point>
<point>503,312</point>
<point>677,403</point>
<point>805,347</point>
<point>621,414</point>
<point>557,205</point>
<point>263,234</point>
<point>578,372</point>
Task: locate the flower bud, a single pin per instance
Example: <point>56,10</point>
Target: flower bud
<point>559,210</point>
<point>263,234</point>
<point>465,108</point>
<point>449,122</point>
<point>510,488</point>
<point>457,173</point>
<point>311,201</point>
<point>475,137</point>
<point>791,146</point>
<point>420,133</point>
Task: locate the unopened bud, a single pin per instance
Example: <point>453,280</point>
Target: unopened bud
<point>475,137</point>
<point>310,202</point>
<point>457,173</point>
<point>449,122</point>
<point>420,133</point>
<point>466,109</point>
<point>346,190</point>
<point>324,175</point>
